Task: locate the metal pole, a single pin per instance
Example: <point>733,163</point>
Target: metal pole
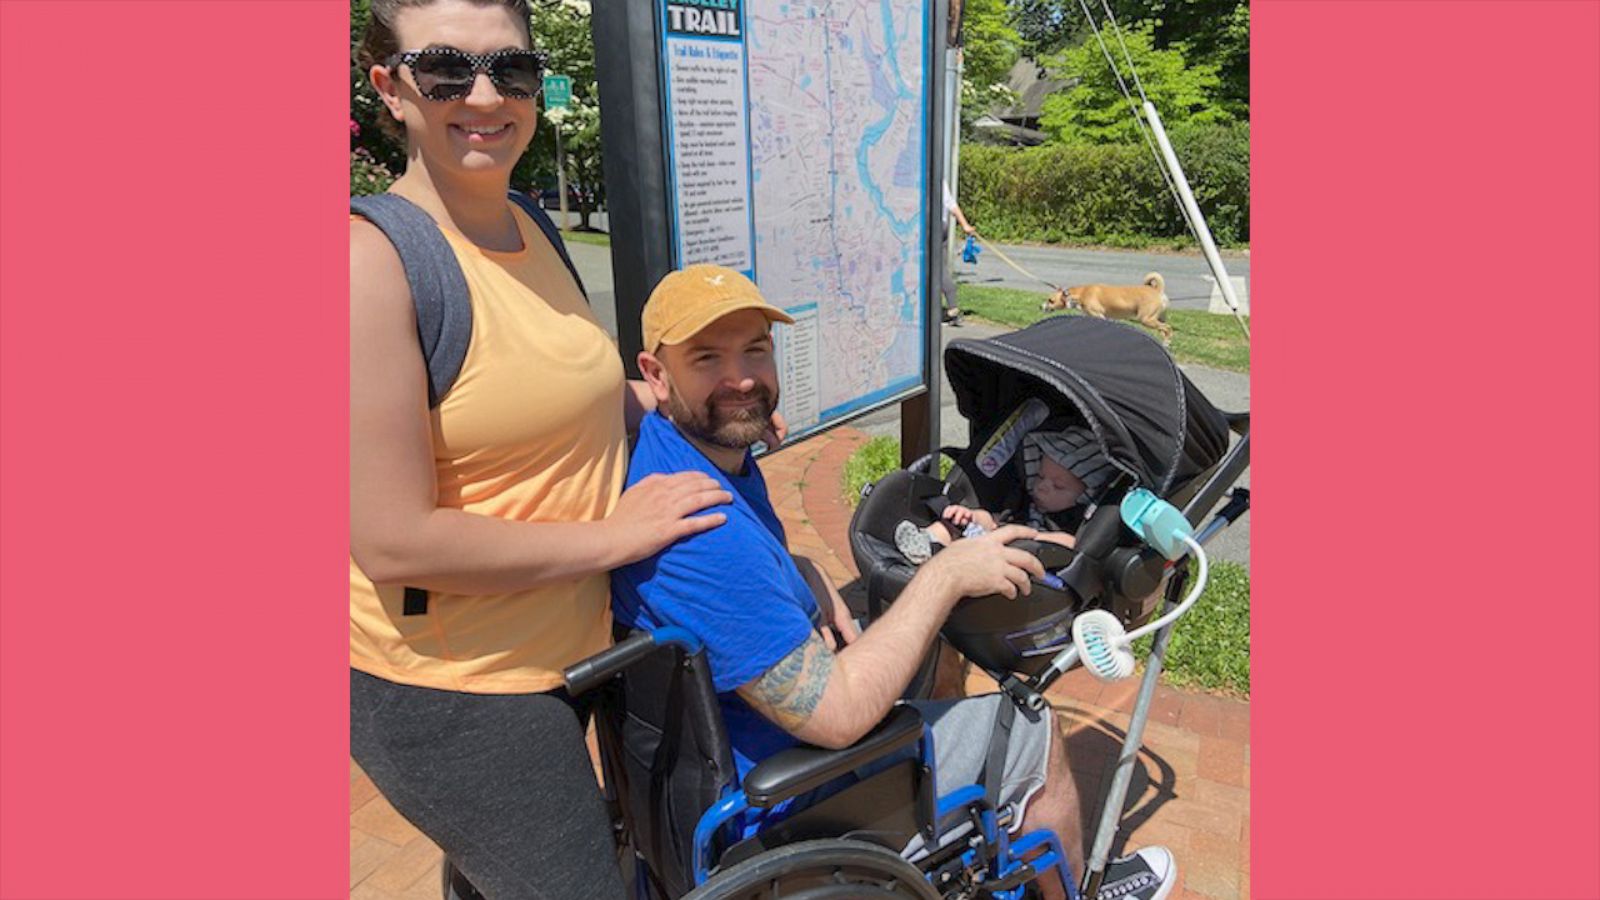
<point>1111,814</point>
<point>919,416</point>
<point>1195,217</point>
<point>627,66</point>
<point>561,180</point>
<point>1227,471</point>
<point>952,141</point>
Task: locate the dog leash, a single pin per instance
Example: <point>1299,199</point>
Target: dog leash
<point>1013,263</point>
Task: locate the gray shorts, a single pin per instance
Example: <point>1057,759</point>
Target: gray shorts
<point>961,730</point>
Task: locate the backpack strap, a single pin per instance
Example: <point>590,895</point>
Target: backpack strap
<point>551,232</point>
<point>438,289</point>
<point>440,296</point>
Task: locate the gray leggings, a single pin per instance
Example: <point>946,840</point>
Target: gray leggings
<point>502,783</point>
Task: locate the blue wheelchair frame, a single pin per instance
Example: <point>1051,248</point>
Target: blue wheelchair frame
<point>1005,857</point>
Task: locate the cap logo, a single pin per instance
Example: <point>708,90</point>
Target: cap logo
<point>714,280</point>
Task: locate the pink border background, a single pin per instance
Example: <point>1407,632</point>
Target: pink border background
<point>1427,218</point>
<point>173,381</point>
<point>172,451</point>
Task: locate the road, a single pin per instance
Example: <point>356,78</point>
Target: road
<point>1188,278</point>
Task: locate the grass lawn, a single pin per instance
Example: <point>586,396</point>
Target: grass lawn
<point>1198,337</point>
<point>873,460</point>
<point>598,238</point>
<point>1210,647</point>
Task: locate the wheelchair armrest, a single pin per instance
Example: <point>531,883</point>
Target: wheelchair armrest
<point>792,772</point>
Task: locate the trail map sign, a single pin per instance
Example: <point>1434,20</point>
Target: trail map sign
<point>797,141</point>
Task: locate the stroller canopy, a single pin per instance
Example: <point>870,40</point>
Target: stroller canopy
<point>1150,420</point>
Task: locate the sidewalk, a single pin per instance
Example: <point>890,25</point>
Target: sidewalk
<point>1190,788</point>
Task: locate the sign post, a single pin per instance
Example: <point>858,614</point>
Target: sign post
<point>558,95</point>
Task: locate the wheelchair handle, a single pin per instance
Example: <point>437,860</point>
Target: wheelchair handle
<point>590,673</point>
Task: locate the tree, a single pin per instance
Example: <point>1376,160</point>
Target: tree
<point>1213,32</point>
<point>990,49</point>
<point>561,29</point>
<point>1095,110</point>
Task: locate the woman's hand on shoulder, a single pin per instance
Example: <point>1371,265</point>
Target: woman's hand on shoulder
<point>660,510</point>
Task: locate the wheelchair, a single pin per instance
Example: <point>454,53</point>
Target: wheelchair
<point>670,778</point>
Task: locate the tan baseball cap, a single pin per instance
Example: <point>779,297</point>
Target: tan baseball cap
<point>690,299</point>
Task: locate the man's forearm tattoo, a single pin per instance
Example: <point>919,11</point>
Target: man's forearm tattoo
<point>790,691</point>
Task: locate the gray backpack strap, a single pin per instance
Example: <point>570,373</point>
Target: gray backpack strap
<point>551,232</point>
<point>438,289</point>
<point>440,296</point>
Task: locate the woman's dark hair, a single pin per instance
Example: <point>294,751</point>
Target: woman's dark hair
<point>378,42</point>
<point>377,38</point>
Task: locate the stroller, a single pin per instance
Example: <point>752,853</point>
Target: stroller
<point>1157,430</point>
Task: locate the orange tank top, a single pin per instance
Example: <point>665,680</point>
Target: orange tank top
<point>531,431</point>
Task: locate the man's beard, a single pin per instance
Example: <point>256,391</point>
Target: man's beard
<point>734,429</point>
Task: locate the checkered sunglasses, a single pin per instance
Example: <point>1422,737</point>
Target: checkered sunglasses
<point>445,73</point>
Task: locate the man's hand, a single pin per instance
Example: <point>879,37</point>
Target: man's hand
<point>832,700</point>
<point>984,565</point>
<point>836,615</point>
<point>776,432</point>
<point>842,631</point>
<point>844,622</point>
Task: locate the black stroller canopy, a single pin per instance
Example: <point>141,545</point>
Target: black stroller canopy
<point>1150,420</point>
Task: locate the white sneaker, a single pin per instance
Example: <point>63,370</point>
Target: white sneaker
<point>1149,874</point>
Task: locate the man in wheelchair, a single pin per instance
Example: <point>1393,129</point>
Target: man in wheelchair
<point>783,676</point>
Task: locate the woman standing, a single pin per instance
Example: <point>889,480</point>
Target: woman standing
<point>504,501</point>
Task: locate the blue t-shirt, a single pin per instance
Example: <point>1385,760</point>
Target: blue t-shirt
<point>734,587</point>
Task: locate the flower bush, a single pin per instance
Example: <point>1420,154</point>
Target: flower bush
<point>367,175</point>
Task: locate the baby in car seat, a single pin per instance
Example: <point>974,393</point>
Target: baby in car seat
<point>1064,470</point>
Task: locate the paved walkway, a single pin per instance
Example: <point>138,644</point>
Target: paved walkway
<point>1191,784</point>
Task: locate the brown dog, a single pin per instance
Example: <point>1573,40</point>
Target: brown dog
<point>1145,302</point>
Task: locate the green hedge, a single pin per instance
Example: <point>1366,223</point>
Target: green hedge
<point>1108,193</point>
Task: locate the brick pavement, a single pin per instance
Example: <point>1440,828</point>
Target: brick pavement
<point>1191,785</point>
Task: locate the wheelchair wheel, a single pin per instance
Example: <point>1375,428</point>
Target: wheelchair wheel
<point>820,870</point>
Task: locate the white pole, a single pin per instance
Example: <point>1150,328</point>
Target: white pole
<point>955,134</point>
<point>952,137</point>
<point>1195,217</point>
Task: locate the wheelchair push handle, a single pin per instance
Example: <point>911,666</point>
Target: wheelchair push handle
<point>588,674</point>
